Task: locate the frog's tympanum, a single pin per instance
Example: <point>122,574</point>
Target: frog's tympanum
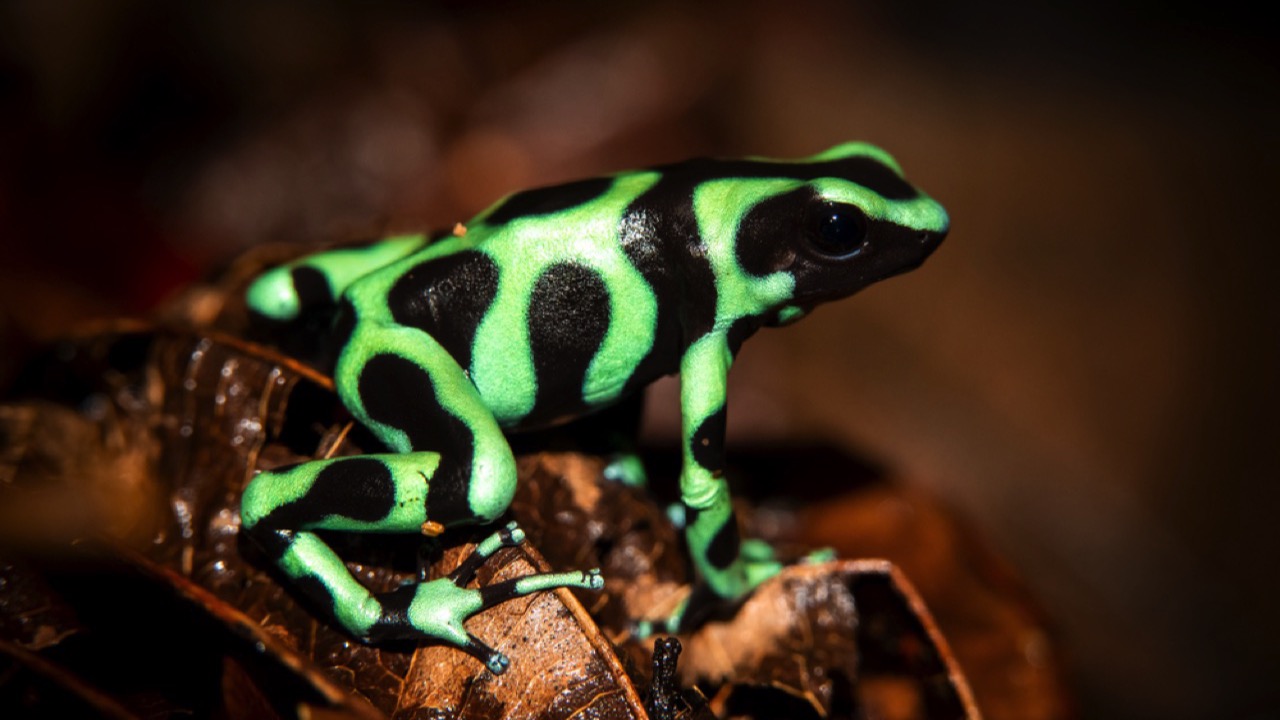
<point>550,304</point>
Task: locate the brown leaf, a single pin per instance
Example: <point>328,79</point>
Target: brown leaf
<point>833,640</point>
<point>561,666</point>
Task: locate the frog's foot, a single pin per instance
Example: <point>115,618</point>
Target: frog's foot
<point>821,555</point>
<point>756,563</point>
<point>669,625</point>
<point>626,468</point>
<point>678,515</point>
<point>760,562</point>
<point>437,609</point>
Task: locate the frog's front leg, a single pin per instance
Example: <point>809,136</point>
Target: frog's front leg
<point>711,526</point>
<point>454,468</point>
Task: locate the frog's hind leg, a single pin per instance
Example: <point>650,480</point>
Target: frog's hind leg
<point>379,493</point>
<point>373,493</point>
<point>412,394</point>
<point>454,467</point>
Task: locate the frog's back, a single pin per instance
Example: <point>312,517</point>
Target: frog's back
<point>548,324</point>
<point>564,299</point>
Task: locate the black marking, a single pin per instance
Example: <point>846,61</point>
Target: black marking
<point>741,329</point>
<point>792,232</point>
<point>498,593</point>
<point>888,249</point>
<point>723,549</point>
<point>398,393</point>
<point>492,659</point>
<point>568,318</point>
<point>507,537</point>
<point>870,174</point>
<point>466,569</point>
<point>771,232</point>
<point>447,298</point>
<point>660,237</point>
<point>547,200</point>
<point>309,412</point>
<point>341,329</point>
<point>447,498</point>
<point>394,622</point>
<point>357,488</point>
<point>690,514</point>
<point>309,335</point>
<point>315,591</point>
<point>311,286</point>
<point>707,443</point>
<point>273,541</point>
<point>863,170</point>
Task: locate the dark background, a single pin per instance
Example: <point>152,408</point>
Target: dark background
<point>1087,369</point>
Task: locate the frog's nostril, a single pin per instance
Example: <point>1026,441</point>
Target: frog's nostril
<point>932,238</point>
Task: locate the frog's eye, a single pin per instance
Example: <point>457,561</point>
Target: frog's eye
<point>838,231</point>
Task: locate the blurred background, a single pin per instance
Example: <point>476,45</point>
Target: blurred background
<point>1087,369</point>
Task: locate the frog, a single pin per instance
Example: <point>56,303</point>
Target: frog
<point>552,304</point>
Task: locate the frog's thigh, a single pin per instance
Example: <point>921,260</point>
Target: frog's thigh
<point>370,493</point>
<point>405,387</point>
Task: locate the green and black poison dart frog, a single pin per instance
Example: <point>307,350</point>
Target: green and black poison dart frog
<point>553,303</point>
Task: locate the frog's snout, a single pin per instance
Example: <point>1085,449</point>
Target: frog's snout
<point>912,255</point>
<point>931,239</point>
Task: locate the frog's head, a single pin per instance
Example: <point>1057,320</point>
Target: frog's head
<point>847,220</point>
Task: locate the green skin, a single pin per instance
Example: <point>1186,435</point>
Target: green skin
<point>554,303</point>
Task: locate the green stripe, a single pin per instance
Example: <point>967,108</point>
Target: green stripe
<point>523,249</point>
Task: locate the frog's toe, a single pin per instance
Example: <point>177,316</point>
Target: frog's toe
<point>626,468</point>
<point>497,663</point>
<point>821,555</point>
<point>587,579</point>
<point>512,534</point>
<point>509,536</point>
<point>669,625</point>
<point>757,550</point>
<point>500,592</point>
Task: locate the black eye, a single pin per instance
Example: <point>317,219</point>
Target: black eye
<point>839,231</point>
